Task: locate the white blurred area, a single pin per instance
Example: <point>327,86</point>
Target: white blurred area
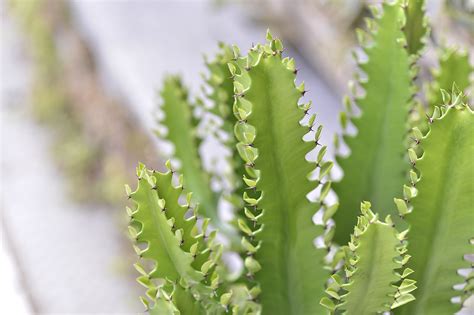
<point>14,299</point>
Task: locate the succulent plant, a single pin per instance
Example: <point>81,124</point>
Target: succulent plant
<point>403,224</point>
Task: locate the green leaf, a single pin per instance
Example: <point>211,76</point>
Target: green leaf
<point>371,259</point>
<point>441,222</point>
<point>292,274</point>
<point>416,28</point>
<point>454,67</point>
<point>375,168</point>
<point>182,134</point>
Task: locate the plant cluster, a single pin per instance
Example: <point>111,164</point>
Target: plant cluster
<point>303,252</point>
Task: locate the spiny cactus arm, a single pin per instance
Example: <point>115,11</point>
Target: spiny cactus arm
<point>372,282</point>
<point>416,28</point>
<point>442,216</point>
<point>221,93</point>
<point>182,134</point>
<point>454,67</point>
<point>375,168</point>
<point>220,82</point>
<point>282,259</point>
<point>184,256</point>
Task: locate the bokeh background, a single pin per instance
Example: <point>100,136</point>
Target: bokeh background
<point>79,84</point>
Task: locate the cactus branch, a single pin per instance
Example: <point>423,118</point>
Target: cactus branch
<point>375,168</point>
<point>441,213</point>
<point>282,259</point>
<point>372,282</point>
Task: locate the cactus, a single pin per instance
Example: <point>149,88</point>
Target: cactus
<point>376,167</point>
<point>278,216</point>
<point>178,118</point>
<point>416,28</point>
<point>372,284</point>
<point>221,94</point>
<point>442,216</point>
<point>286,222</point>
<point>183,258</point>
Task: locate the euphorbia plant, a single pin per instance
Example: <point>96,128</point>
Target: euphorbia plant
<point>305,255</point>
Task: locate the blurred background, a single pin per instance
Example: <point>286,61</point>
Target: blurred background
<point>79,87</point>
